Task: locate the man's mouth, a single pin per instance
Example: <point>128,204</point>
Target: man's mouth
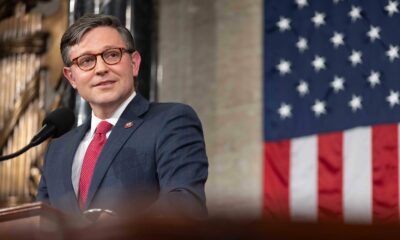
<point>104,83</point>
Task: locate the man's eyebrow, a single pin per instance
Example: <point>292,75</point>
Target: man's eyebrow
<point>104,49</point>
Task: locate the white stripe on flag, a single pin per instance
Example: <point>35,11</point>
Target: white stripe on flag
<point>357,176</point>
<point>303,179</point>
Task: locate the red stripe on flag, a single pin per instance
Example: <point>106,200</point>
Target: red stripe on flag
<point>276,180</point>
<point>385,195</point>
<point>330,177</point>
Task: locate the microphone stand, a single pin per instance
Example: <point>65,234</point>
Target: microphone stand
<point>55,124</point>
<point>19,152</point>
<point>43,134</point>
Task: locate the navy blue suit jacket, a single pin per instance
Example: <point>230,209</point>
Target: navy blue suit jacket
<point>159,164</point>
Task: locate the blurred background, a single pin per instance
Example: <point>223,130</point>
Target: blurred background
<point>206,53</point>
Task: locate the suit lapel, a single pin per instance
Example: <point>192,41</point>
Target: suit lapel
<point>71,146</point>
<point>127,124</point>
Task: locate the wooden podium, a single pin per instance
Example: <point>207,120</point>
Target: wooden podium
<point>40,221</point>
<point>33,216</point>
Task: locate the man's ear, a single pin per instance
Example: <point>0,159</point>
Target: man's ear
<point>68,75</point>
<point>136,59</point>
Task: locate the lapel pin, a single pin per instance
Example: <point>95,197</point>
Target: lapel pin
<point>128,125</point>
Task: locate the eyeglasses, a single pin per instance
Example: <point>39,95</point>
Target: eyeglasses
<point>110,56</point>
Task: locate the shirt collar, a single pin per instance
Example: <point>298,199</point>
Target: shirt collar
<point>114,118</point>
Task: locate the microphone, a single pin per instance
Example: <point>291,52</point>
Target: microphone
<point>54,125</point>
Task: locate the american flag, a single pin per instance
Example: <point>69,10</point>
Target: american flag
<point>331,110</point>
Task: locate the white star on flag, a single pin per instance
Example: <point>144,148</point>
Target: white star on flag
<point>302,88</point>
<point>302,44</point>
<point>319,108</point>
<point>318,19</point>
<point>355,13</point>
<point>337,39</point>
<point>391,7</point>
<point>393,98</point>
<point>337,84</point>
<point>283,24</point>
<point>355,58</point>
<point>284,67</point>
<point>355,103</point>
<point>301,3</point>
<point>373,33</point>
<point>285,111</point>
<point>392,52</point>
<point>373,78</point>
<point>318,63</point>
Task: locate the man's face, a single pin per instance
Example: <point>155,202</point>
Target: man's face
<point>105,86</point>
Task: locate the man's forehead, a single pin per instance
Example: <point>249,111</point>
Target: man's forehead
<point>97,40</point>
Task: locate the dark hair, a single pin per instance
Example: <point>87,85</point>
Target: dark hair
<point>75,32</point>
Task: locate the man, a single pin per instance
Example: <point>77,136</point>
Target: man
<point>150,158</point>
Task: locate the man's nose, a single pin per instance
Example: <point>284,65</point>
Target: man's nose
<point>101,66</point>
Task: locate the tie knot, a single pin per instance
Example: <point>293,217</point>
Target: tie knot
<point>103,127</point>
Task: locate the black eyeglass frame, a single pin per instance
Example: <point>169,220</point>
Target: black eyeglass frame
<point>121,50</point>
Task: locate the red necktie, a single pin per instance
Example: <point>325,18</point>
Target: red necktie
<point>89,161</point>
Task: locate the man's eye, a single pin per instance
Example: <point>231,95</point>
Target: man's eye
<point>112,54</point>
<point>85,60</point>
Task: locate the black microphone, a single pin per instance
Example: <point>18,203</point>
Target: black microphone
<point>54,125</point>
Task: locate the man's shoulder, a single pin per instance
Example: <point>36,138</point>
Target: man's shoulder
<point>168,105</point>
<point>170,108</point>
